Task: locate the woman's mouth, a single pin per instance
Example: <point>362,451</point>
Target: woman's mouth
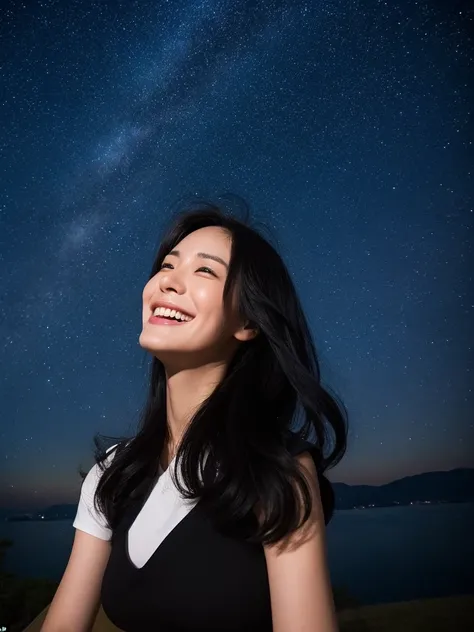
<point>166,316</point>
<point>162,320</point>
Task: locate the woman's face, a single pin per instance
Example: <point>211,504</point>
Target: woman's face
<point>191,280</point>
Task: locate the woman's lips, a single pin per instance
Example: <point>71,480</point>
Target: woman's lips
<point>161,320</point>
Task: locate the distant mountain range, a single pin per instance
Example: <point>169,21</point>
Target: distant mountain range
<point>452,486</point>
<point>428,488</point>
<point>54,512</point>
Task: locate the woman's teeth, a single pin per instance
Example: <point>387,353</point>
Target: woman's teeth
<point>171,313</point>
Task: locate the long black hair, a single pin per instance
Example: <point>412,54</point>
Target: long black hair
<point>234,455</point>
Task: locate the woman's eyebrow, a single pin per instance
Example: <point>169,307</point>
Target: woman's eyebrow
<point>204,255</point>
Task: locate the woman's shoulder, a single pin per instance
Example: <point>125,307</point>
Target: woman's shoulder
<point>88,518</point>
<point>92,478</point>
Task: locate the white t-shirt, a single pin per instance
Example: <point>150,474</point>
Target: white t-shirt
<point>87,518</point>
<point>162,511</point>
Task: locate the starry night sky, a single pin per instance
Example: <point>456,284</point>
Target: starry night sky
<point>347,127</point>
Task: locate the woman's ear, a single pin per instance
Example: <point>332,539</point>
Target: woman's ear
<point>248,332</point>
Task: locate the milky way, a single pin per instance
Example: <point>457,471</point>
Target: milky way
<point>346,125</point>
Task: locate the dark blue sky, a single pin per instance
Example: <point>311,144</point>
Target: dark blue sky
<point>347,127</point>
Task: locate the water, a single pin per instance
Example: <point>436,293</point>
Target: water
<point>379,555</point>
<point>402,553</point>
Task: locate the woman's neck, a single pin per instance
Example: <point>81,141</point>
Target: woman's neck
<point>185,392</point>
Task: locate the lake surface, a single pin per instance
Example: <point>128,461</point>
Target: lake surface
<point>378,555</point>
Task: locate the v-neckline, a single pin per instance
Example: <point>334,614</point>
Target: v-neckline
<point>160,467</point>
<point>163,475</point>
<point>137,569</point>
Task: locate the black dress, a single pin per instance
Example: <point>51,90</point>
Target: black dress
<point>197,579</point>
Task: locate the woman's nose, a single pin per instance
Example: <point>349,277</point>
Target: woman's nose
<point>172,282</point>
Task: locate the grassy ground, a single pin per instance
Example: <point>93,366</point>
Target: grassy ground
<point>450,614</point>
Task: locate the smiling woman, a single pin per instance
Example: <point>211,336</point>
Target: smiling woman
<point>212,333</point>
<point>213,514</point>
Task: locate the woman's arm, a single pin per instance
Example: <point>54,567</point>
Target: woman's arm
<point>77,599</point>
<point>298,573</point>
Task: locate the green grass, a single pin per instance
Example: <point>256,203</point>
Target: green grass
<point>448,614</point>
<point>26,600</point>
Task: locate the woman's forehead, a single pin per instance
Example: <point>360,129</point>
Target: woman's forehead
<point>213,235</point>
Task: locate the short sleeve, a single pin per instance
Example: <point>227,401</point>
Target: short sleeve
<point>87,518</point>
<point>296,445</point>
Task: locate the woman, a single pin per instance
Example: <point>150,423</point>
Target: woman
<point>212,517</point>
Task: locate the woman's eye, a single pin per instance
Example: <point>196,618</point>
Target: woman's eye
<point>202,269</point>
<point>205,269</point>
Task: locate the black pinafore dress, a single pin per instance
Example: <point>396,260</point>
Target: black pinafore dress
<point>196,580</point>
